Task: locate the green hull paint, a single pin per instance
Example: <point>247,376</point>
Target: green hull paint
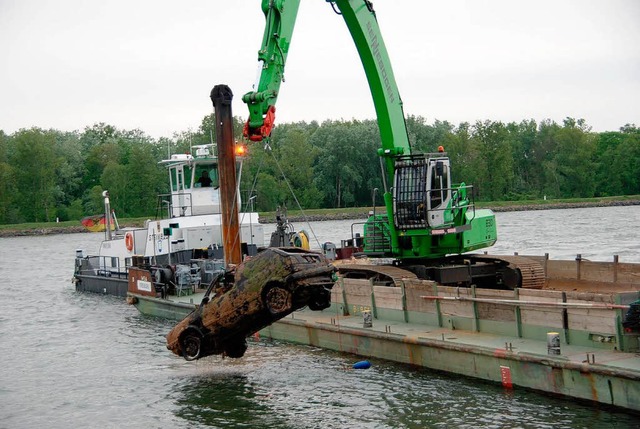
<point>613,380</point>
<point>162,308</point>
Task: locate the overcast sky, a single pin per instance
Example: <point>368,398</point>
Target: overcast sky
<point>150,64</point>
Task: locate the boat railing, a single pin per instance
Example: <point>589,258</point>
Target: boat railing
<point>104,266</point>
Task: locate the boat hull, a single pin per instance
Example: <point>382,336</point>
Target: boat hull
<point>101,284</point>
<point>163,308</point>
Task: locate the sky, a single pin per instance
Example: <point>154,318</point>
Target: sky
<point>151,64</point>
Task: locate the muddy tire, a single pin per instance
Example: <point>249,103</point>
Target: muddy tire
<point>320,300</point>
<point>236,349</point>
<point>191,345</point>
<point>278,300</point>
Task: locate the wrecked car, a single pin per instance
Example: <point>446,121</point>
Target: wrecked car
<point>264,289</point>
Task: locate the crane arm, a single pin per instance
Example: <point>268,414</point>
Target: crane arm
<point>280,18</point>
<point>360,18</point>
<point>363,26</point>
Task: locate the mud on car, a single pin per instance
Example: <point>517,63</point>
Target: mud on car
<point>264,289</point>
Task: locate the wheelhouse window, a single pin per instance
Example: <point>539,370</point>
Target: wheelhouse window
<point>206,176</point>
<point>177,175</point>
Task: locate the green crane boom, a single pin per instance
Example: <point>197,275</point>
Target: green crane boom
<point>426,216</point>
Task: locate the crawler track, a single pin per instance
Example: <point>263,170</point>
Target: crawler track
<point>387,275</point>
<point>531,272</point>
<point>486,271</point>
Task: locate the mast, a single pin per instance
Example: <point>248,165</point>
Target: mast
<point>221,97</point>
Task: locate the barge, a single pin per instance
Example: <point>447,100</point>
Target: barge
<point>566,338</point>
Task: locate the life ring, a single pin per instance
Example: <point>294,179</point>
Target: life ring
<point>128,241</point>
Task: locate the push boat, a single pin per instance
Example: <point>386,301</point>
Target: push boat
<point>188,237</point>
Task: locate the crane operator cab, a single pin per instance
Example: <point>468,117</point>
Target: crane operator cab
<point>422,192</point>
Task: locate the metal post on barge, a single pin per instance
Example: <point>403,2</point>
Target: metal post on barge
<point>107,215</point>
<point>221,97</point>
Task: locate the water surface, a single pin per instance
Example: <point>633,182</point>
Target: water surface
<point>83,360</point>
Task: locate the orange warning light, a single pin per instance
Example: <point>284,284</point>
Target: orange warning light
<point>440,148</point>
<point>241,150</point>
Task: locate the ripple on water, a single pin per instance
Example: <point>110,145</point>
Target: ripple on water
<point>96,362</point>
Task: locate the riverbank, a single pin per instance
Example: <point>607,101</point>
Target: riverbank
<point>363,213</point>
<point>315,215</point>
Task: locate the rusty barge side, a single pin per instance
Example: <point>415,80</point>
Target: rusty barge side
<point>494,335</point>
<point>602,376</point>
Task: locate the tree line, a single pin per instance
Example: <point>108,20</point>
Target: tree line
<point>50,174</point>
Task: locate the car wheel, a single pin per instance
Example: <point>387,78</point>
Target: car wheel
<point>191,345</point>
<point>278,300</point>
<point>320,300</point>
<point>236,349</point>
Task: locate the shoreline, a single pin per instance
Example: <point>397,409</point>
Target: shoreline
<point>270,218</point>
<point>496,209</point>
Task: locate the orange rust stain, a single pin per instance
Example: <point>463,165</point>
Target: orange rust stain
<point>413,352</point>
<point>500,353</point>
<point>592,385</point>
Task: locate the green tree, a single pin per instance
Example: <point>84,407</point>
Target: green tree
<point>144,181</point>
<point>115,179</point>
<point>295,156</point>
<point>544,165</point>
<point>608,173</point>
<point>522,140</point>
<point>426,138</point>
<point>35,167</point>
<point>8,212</point>
<point>575,159</point>
<point>336,172</point>
<point>69,173</point>
<point>269,195</point>
<point>467,164</point>
<point>625,163</point>
<point>495,147</point>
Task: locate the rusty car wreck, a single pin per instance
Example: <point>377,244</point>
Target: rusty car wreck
<point>264,289</point>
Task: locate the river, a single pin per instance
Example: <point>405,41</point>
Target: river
<point>597,233</point>
<point>91,361</point>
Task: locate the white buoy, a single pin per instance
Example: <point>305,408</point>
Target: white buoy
<point>367,319</point>
<point>553,343</point>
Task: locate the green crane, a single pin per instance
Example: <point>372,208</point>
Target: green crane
<point>426,216</point>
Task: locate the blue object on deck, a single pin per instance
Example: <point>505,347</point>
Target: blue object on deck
<point>363,364</point>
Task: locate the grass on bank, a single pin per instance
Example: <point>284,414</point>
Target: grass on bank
<point>346,212</point>
<point>599,200</point>
<point>358,211</point>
